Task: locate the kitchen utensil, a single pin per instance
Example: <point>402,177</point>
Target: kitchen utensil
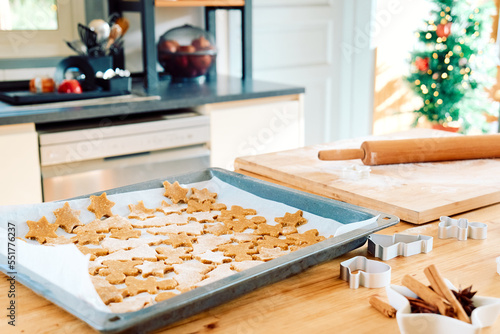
<point>461,229</point>
<point>101,28</point>
<point>387,247</point>
<point>123,23</point>
<point>77,46</point>
<point>385,152</point>
<point>114,34</point>
<point>87,36</point>
<point>368,273</point>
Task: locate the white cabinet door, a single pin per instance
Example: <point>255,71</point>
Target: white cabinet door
<point>19,165</point>
<point>322,45</point>
<point>254,127</point>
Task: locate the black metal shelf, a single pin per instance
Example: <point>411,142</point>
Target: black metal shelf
<point>146,8</point>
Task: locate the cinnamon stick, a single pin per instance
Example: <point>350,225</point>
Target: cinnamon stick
<point>380,305</point>
<point>439,286</point>
<point>428,295</point>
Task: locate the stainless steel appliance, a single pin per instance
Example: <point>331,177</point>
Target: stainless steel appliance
<point>90,156</point>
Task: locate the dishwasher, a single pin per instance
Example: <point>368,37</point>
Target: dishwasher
<point>83,157</point>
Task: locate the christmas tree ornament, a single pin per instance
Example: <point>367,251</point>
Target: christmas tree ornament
<point>422,64</point>
<point>443,30</point>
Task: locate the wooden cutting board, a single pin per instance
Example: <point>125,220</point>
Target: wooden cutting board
<point>417,193</point>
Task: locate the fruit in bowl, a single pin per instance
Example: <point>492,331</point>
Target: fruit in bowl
<point>186,52</point>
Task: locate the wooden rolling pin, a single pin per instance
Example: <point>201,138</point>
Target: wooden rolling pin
<point>386,152</point>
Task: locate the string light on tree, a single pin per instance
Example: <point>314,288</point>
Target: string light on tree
<point>441,63</point>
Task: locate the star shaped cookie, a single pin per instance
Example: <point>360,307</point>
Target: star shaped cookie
<point>101,206</point>
<point>41,230</point>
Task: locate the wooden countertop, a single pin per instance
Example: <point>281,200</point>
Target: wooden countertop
<point>314,301</point>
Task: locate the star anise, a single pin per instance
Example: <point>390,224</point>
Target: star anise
<point>464,296</point>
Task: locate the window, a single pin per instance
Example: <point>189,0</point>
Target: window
<point>38,28</point>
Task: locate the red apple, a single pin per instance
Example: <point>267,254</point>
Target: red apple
<point>201,62</point>
<point>70,86</point>
<point>168,46</point>
<point>201,43</point>
<point>186,49</point>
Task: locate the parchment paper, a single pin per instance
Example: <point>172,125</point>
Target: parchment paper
<point>67,267</point>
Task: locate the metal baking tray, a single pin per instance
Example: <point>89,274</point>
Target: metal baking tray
<point>216,293</point>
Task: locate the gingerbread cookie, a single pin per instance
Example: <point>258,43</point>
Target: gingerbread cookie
<point>271,242</point>
<point>218,207</point>
<point>125,234</point>
<point>67,218</point>
<point>143,252</point>
<point>240,252</point>
<point>290,219</point>
<point>168,209</point>
<point>104,226</point>
<point>173,255</point>
<point>114,245</point>
<point>108,293</point>
<point>267,254</point>
<point>203,195</point>
<point>162,221</point>
<point>244,237</point>
<point>131,305</point>
<point>210,257</point>
<point>41,230</point>
<point>89,237</point>
<point>305,239</point>
<point>191,228</point>
<point>175,192</point>
<point>179,240</point>
<point>194,206</point>
<point>158,268</point>
<point>244,265</point>
<point>94,252</point>
<point>101,206</point>
<point>217,229</point>
<point>235,212</point>
<point>203,217</point>
<point>139,211</point>
<point>218,273</point>
<point>150,285</point>
<point>207,242</point>
<point>117,271</point>
<point>265,229</point>
<point>240,224</point>
<point>60,240</point>
<point>165,295</point>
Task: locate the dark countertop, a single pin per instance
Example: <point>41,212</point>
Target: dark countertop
<point>170,96</point>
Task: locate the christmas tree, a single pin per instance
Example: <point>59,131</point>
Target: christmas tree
<point>446,69</point>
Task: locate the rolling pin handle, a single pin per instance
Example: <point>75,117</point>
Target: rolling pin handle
<point>342,154</point>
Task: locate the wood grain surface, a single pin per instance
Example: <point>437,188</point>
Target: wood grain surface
<point>416,192</point>
<point>315,301</point>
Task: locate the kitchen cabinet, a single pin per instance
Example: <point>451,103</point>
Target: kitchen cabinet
<point>20,176</point>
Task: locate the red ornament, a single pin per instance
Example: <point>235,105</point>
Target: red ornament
<point>443,30</point>
<point>422,63</point>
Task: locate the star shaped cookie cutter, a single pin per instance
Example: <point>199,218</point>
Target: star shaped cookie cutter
<point>387,247</point>
<point>369,273</point>
<point>461,229</point>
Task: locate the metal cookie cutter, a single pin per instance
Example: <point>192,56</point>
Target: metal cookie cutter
<point>370,274</point>
<point>356,172</point>
<point>461,229</point>
<point>498,265</point>
<point>387,247</point>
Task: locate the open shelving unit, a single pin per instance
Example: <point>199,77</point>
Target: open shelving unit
<point>146,8</point>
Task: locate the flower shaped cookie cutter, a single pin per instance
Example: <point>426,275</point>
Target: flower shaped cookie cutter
<point>387,247</point>
<point>371,274</point>
<point>486,312</point>
<point>461,229</point>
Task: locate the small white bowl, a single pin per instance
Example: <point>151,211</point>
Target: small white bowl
<point>486,312</point>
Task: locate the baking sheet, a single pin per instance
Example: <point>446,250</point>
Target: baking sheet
<point>233,189</point>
